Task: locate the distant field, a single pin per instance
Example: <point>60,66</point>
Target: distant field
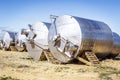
<point>19,66</point>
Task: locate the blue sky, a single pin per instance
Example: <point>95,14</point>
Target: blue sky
<point>17,14</point>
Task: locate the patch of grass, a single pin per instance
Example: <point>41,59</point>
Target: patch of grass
<point>105,72</point>
<point>27,58</point>
<point>8,78</point>
<point>82,70</point>
<point>23,66</point>
<point>105,76</point>
<point>60,69</point>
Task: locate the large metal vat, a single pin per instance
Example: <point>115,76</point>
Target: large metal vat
<point>71,36</point>
<point>1,38</point>
<point>1,44</point>
<point>37,40</point>
<point>8,40</point>
<point>116,45</point>
<point>20,40</point>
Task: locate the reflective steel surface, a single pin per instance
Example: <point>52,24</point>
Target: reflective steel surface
<point>9,39</point>
<point>1,38</point>
<point>37,39</point>
<point>84,34</point>
<point>20,41</point>
<point>116,45</point>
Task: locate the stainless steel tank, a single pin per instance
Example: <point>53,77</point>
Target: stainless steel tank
<point>8,40</point>
<point>71,36</point>
<point>37,39</point>
<point>116,45</point>
<point>1,44</point>
<point>20,40</point>
<point>1,39</point>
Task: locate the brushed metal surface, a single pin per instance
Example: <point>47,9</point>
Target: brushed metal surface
<point>20,41</point>
<point>9,39</point>
<point>1,44</point>
<point>37,39</point>
<point>116,45</point>
<point>88,35</point>
<point>1,38</point>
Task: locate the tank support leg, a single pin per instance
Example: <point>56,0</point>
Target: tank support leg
<point>91,59</point>
<point>13,48</point>
<point>51,58</point>
<point>84,61</point>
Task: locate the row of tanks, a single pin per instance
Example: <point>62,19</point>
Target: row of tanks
<point>66,38</point>
<point>69,37</point>
<point>12,41</point>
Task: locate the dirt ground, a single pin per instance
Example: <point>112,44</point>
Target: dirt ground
<point>19,66</point>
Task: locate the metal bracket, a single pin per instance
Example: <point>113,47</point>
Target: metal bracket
<point>65,46</point>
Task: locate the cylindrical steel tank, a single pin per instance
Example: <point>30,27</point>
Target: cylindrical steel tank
<point>1,38</point>
<point>70,36</point>
<point>37,39</point>
<point>116,45</point>
<point>8,40</point>
<point>20,42</point>
<point>1,44</point>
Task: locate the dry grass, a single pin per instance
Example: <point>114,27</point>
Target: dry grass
<point>19,66</point>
